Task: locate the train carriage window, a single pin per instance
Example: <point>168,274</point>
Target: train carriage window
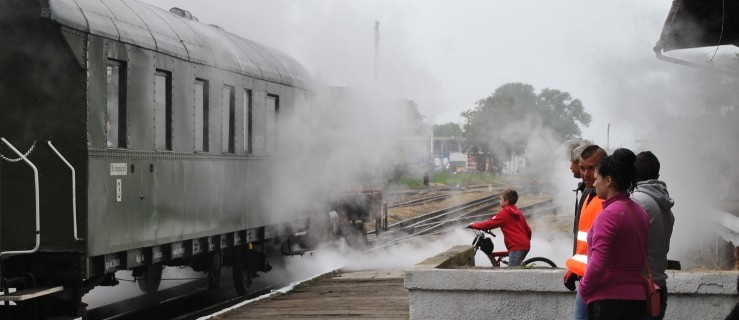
<point>228,110</point>
<point>163,110</point>
<point>115,122</point>
<point>273,112</point>
<point>247,121</point>
<point>201,115</point>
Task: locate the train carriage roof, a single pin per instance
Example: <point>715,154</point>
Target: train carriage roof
<point>700,23</point>
<point>180,36</point>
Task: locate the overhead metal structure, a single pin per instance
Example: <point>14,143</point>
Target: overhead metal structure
<point>699,23</point>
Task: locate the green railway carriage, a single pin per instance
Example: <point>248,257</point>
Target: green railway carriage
<point>133,138</point>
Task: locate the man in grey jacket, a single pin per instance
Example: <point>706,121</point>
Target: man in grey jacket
<point>652,195</point>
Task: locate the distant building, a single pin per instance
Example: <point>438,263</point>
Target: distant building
<point>449,153</point>
<point>453,154</point>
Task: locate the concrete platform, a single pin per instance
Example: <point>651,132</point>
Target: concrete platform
<point>448,286</point>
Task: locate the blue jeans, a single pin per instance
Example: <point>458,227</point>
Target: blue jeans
<point>581,308</point>
<point>515,258</point>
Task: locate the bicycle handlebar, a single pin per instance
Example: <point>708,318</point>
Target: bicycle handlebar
<point>484,231</point>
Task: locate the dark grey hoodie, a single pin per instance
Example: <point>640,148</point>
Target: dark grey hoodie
<point>652,195</point>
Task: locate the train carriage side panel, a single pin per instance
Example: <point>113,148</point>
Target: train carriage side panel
<point>234,168</point>
<point>201,74</point>
<point>244,105</point>
<point>141,116</point>
<point>182,193</point>
<point>215,111</point>
<point>250,190</point>
<point>260,118</point>
<point>183,97</point>
<point>239,114</point>
<point>57,62</point>
<point>112,221</point>
<point>277,105</point>
<point>173,196</point>
<point>96,98</point>
<point>198,174</point>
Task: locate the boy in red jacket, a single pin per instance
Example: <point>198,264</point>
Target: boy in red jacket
<point>516,231</point>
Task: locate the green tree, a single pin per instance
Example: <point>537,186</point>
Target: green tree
<point>448,130</point>
<point>562,114</point>
<point>501,124</point>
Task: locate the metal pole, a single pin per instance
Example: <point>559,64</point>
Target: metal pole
<point>377,49</point>
<point>74,190</point>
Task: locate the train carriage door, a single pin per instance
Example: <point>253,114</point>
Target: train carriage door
<point>273,112</point>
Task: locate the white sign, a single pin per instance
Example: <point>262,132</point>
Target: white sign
<point>118,190</point>
<point>118,169</point>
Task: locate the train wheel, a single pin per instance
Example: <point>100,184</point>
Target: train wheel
<point>149,280</point>
<point>241,274</point>
<point>246,264</point>
<point>214,274</point>
<point>539,262</point>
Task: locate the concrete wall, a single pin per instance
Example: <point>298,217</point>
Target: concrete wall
<point>448,286</point>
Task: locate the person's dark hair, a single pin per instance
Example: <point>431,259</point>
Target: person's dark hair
<point>510,195</point>
<point>620,167</point>
<point>592,149</point>
<point>647,166</point>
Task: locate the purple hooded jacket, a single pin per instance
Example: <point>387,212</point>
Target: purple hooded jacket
<point>617,243</point>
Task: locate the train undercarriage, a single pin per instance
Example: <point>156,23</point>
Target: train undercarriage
<point>44,285</point>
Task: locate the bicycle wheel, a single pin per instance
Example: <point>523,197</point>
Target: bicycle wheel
<point>539,262</point>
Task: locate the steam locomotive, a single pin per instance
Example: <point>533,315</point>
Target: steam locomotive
<point>134,138</point>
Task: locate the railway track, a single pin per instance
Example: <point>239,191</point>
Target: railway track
<point>396,199</point>
<point>449,218</point>
<point>192,300</point>
<point>182,302</point>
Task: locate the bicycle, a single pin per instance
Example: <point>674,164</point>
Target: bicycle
<point>485,244</point>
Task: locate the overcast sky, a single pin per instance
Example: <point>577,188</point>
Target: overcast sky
<point>446,55</point>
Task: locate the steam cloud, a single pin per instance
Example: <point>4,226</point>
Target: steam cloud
<point>606,61</point>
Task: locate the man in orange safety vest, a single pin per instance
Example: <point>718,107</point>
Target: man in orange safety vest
<point>591,207</point>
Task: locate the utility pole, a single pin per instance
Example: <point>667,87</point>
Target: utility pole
<point>608,138</point>
<point>377,48</point>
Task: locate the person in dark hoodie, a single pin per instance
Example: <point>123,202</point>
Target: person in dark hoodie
<point>516,232</point>
<point>652,195</point>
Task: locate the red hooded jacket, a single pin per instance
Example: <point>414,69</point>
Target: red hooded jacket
<point>516,232</point>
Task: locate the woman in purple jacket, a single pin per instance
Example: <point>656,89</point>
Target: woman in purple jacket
<point>617,242</point>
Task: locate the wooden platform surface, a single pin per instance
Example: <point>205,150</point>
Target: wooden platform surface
<point>377,294</point>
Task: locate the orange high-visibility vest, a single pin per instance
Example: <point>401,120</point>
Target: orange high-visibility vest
<point>590,211</point>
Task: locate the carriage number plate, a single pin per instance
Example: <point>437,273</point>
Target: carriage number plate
<point>118,169</point>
